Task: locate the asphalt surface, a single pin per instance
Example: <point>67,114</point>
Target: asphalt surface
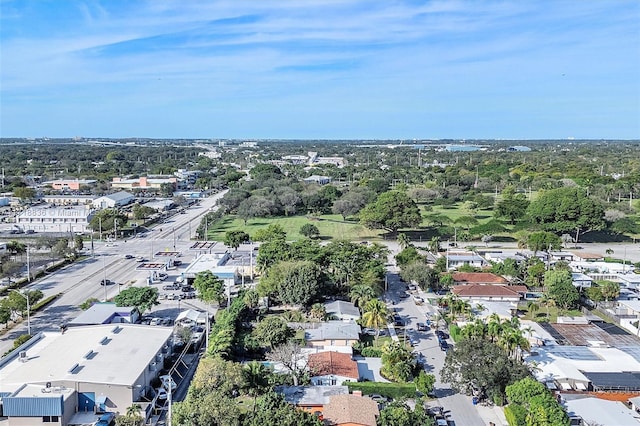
<point>81,280</point>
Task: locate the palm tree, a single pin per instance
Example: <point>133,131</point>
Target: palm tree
<point>360,294</point>
<point>434,245</point>
<point>480,308</point>
<point>133,410</point>
<point>609,252</point>
<point>532,308</point>
<point>318,312</point>
<point>254,375</point>
<point>375,315</point>
<point>403,241</point>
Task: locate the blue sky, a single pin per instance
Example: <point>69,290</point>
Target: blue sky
<point>335,69</point>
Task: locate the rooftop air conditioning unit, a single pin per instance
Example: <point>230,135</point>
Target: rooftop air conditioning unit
<point>23,356</point>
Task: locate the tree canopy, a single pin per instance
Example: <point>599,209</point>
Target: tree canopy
<point>144,298</point>
<point>565,210</point>
<point>392,210</point>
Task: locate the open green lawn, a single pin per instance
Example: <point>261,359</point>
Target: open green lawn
<point>330,226</point>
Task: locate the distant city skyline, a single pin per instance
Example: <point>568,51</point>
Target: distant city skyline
<point>320,69</point>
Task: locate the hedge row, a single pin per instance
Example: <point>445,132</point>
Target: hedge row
<point>392,390</point>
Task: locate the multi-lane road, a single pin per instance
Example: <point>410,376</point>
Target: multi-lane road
<point>81,280</point>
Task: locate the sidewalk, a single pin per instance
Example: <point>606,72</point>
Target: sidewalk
<point>491,415</point>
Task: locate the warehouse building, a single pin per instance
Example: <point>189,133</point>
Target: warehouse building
<point>55,219</point>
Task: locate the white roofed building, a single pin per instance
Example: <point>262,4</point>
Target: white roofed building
<point>55,219</point>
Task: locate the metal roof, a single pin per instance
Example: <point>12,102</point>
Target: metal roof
<point>628,381</point>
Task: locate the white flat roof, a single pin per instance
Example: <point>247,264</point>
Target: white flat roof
<point>606,413</point>
<point>121,360</point>
<point>554,366</point>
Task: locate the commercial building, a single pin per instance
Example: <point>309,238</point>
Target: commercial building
<point>69,184</point>
<point>55,219</point>
<point>110,201</point>
<point>57,376</point>
<point>143,182</point>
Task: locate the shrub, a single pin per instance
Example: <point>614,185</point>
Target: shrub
<point>392,390</point>
<point>515,414</point>
<point>372,352</point>
<point>454,332</point>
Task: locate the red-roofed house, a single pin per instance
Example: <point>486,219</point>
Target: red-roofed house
<point>332,368</point>
<point>478,278</point>
<point>351,410</point>
<point>511,293</point>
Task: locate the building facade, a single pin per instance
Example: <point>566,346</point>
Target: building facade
<point>55,219</point>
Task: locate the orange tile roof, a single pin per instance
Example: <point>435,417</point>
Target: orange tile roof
<point>483,290</point>
<point>339,364</point>
<point>351,409</point>
<point>478,278</point>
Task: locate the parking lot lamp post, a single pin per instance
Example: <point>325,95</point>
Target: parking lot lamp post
<point>26,297</point>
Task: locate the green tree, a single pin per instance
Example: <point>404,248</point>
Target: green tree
<point>309,230</point>
<point>234,238</point>
<point>424,382</point>
<point>559,287</point>
<point>302,284</point>
<point>88,303</point>
<point>272,331</point>
<point>543,241</point>
<point>467,370</point>
<point>361,294</point>
<point>397,413</point>
<point>397,362</point>
<point>404,241</point>
<point>5,312</point>
<point>210,287</point>
<point>513,207</point>
<point>273,410</point>
<point>408,255</point>
<point>24,193</point>
<point>566,209</point>
<point>273,232</point>
<point>255,377</point>
<point>376,315</point>
<point>141,212</point>
<point>538,405</point>
<point>143,298</point>
<point>610,290</point>
<point>422,274</point>
<point>392,210</point>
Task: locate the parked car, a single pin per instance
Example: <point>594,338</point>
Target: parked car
<point>187,288</point>
<point>155,321</point>
<point>379,398</point>
<point>162,276</point>
<point>168,380</point>
<point>162,394</point>
<point>105,419</point>
<point>444,345</point>
<point>177,262</point>
<point>403,295</point>
<point>422,326</point>
<point>441,334</point>
<point>418,300</point>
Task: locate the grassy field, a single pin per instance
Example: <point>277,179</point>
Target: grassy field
<point>330,226</point>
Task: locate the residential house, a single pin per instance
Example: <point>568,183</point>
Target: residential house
<point>478,278</point>
<point>311,399</point>
<point>341,310</point>
<point>332,368</point>
<point>593,411</point>
<point>333,335</point>
<point>351,410</point>
<point>458,259</point>
<point>580,280</point>
<point>587,257</point>
<point>478,292</point>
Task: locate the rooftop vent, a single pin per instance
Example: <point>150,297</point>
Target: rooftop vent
<point>74,369</point>
<point>117,329</point>
<point>105,340</point>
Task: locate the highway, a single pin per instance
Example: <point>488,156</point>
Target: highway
<point>81,280</point>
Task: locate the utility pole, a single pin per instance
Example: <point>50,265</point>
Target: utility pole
<point>28,268</point>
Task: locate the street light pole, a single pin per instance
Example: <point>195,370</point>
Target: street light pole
<point>174,238</point>
<point>26,297</point>
<point>104,270</point>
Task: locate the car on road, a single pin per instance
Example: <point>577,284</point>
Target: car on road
<point>422,326</point>
<point>403,295</point>
<point>413,341</point>
<point>171,287</point>
<point>128,256</point>
<point>418,300</point>
<point>140,259</point>
<point>106,282</point>
<point>441,334</point>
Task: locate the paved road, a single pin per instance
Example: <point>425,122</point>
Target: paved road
<point>81,280</point>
